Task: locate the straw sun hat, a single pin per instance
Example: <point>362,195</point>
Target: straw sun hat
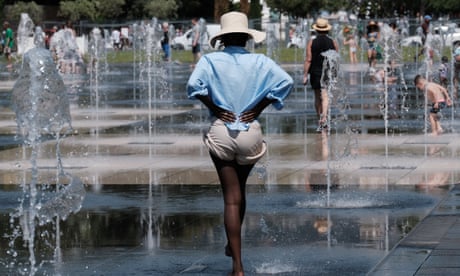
<point>322,25</point>
<point>236,22</point>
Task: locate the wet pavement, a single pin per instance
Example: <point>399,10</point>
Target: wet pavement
<point>390,207</point>
<point>170,222</point>
<point>432,248</point>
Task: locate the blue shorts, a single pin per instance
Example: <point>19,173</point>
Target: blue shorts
<point>372,45</point>
<point>441,105</point>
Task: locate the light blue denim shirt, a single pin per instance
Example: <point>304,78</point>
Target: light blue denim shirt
<point>237,80</point>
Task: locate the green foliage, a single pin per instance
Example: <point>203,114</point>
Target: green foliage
<point>2,15</point>
<point>195,8</point>
<point>109,9</point>
<point>444,6</point>
<point>161,9</point>
<point>76,10</point>
<point>146,9</point>
<point>255,10</point>
<point>14,12</point>
<point>105,10</point>
<point>371,9</point>
<point>94,10</point>
<point>300,8</point>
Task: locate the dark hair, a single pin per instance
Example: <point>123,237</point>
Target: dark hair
<point>322,32</point>
<point>417,79</point>
<point>234,39</point>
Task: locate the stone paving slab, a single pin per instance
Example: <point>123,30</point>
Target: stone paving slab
<point>433,247</point>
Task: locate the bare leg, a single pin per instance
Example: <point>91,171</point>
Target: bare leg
<point>324,105</point>
<point>196,57</point>
<point>233,179</point>
<point>369,57</point>
<point>374,58</point>
<point>318,104</point>
<point>435,126</point>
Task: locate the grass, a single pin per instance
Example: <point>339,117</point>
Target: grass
<point>128,56</point>
<point>281,55</point>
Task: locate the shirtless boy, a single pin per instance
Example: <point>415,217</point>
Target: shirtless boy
<point>439,98</point>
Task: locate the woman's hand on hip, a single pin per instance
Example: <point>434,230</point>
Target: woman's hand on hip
<point>249,116</point>
<point>224,115</point>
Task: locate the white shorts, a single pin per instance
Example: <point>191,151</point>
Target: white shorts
<point>245,147</point>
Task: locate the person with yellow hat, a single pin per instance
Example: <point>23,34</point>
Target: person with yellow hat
<point>236,86</point>
<point>313,68</point>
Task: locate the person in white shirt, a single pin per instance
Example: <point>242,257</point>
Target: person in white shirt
<point>116,39</point>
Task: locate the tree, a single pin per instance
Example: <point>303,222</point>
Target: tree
<point>298,8</point>
<point>255,10</point>
<point>94,10</point>
<point>109,9</point>
<point>34,11</point>
<point>220,7</point>
<point>161,9</point>
<point>244,6</point>
<point>366,9</point>
<point>443,6</point>
<point>195,8</point>
<point>76,10</point>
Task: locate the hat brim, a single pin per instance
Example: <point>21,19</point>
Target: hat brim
<point>322,29</point>
<point>257,36</point>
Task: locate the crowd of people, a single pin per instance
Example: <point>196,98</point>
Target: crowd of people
<point>445,75</point>
<point>235,94</point>
<point>319,42</point>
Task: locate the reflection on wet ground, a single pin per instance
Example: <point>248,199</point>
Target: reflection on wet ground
<point>172,229</point>
<point>382,185</point>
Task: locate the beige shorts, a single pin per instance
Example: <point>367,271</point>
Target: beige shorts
<point>245,147</point>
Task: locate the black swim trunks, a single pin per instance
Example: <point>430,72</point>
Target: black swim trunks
<point>196,49</point>
<point>441,105</point>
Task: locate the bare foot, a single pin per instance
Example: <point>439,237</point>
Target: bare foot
<point>236,273</point>
<point>237,269</point>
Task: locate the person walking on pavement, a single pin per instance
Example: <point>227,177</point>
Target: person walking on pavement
<point>313,68</point>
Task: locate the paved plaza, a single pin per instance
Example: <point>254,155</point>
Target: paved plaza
<point>111,146</point>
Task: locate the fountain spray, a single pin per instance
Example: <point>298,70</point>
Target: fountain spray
<point>39,99</point>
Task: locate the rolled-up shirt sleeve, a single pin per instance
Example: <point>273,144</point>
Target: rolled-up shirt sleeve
<point>197,83</point>
<point>280,86</point>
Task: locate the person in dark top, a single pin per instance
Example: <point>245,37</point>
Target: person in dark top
<point>372,37</point>
<point>313,67</point>
<point>165,42</point>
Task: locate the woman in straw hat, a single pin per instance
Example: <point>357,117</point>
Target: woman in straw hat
<point>236,86</point>
<point>313,66</point>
